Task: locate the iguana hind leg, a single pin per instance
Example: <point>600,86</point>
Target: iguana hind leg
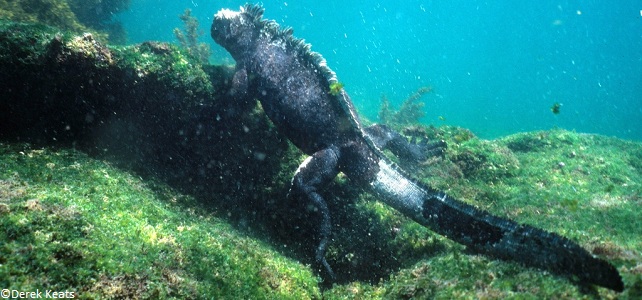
<point>313,174</point>
<point>411,151</point>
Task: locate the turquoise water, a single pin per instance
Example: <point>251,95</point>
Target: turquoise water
<point>496,67</point>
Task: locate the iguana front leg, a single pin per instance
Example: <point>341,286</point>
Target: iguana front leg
<point>240,83</point>
<point>315,173</point>
<point>240,99</point>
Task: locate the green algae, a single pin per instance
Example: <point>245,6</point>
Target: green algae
<point>165,62</point>
<point>189,36</point>
<point>52,12</point>
<point>73,223</point>
<point>77,16</point>
<point>594,199</point>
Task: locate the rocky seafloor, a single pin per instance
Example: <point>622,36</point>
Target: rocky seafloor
<point>126,172</point>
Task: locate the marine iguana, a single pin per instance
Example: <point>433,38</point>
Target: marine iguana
<point>295,88</point>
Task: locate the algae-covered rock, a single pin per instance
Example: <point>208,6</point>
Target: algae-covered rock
<point>151,104</point>
<point>76,224</point>
<point>52,12</point>
<point>485,160</point>
<point>73,15</point>
<point>594,199</point>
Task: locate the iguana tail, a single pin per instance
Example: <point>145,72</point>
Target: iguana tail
<point>491,235</point>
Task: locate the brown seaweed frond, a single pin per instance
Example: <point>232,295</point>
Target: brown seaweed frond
<point>410,112</point>
<point>189,37</point>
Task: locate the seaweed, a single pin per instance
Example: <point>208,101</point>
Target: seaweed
<point>409,113</point>
<point>188,37</point>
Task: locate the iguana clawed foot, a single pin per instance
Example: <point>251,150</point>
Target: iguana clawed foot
<point>409,152</point>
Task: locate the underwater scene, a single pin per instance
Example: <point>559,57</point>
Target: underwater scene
<point>320,150</point>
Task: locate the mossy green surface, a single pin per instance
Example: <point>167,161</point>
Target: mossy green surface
<point>77,224</point>
<point>77,16</point>
<point>51,12</point>
<point>584,187</point>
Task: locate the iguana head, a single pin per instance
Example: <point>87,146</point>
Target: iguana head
<point>236,30</point>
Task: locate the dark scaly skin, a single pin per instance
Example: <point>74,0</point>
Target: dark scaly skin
<point>293,85</point>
